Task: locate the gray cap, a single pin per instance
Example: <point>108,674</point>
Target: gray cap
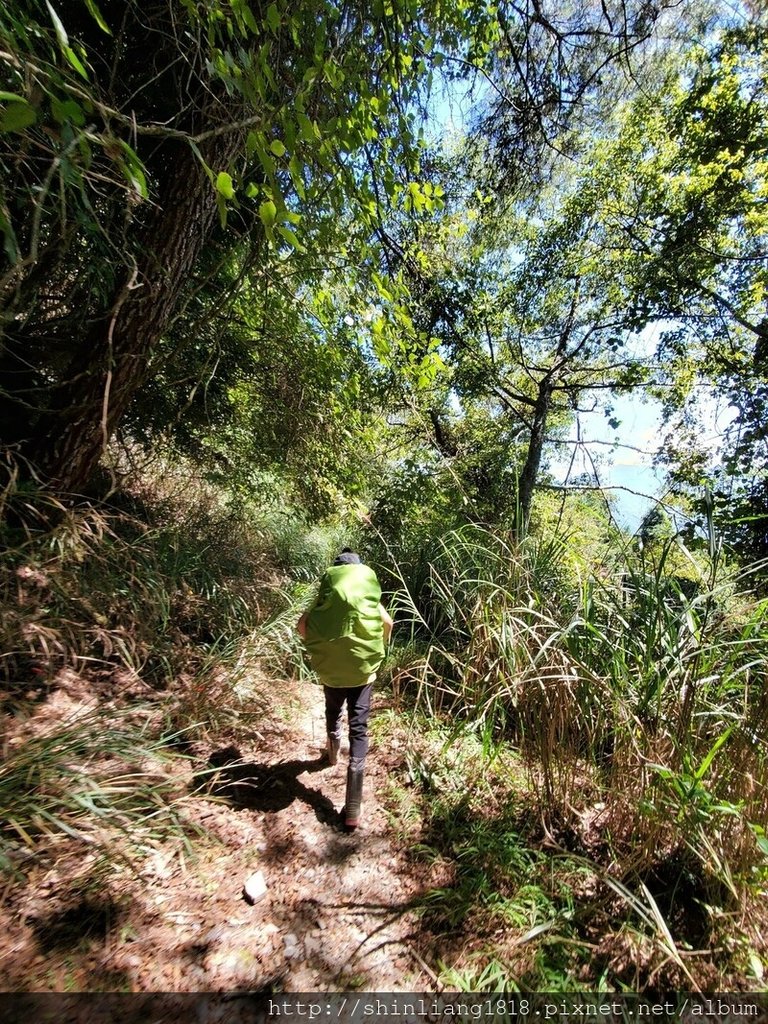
<point>347,557</point>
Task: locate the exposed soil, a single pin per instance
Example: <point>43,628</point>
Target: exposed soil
<point>336,915</point>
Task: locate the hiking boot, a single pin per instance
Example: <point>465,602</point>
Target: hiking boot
<point>332,749</point>
<point>354,801</point>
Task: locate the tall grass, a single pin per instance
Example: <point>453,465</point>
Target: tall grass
<point>629,687</point>
<point>303,549</point>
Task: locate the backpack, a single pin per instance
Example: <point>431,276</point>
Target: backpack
<point>344,631</point>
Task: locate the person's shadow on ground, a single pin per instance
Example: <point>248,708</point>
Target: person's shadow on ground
<point>266,787</point>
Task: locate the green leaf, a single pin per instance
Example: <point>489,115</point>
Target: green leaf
<point>224,185</point>
<point>252,143</point>
<point>268,213</point>
<point>75,61</point>
<point>308,130</point>
<point>97,16</point>
<point>86,155</point>
<point>12,97</point>
<point>295,169</point>
<point>290,237</point>
<point>248,19</point>
<point>221,203</point>
<point>61,32</point>
<point>381,287</point>
<point>10,244</point>
<point>273,18</point>
<point>289,131</point>
<point>704,766</point>
<point>265,159</point>
<point>417,199</point>
<point>17,116</point>
<point>277,147</point>
<point>196,150</point>
<point>133,169</point>
<point>69,110</point>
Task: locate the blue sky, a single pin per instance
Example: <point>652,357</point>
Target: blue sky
<point>622,457</point>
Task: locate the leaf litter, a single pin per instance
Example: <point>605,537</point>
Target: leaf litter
<point>335,915</point>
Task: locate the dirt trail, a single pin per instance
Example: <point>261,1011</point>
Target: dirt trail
<point>335,915</point>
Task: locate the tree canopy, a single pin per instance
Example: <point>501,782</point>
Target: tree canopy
<point>225,229</point>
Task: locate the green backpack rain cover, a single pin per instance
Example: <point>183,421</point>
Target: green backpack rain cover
<point>345,634</point>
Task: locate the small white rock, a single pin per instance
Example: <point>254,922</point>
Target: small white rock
<point>255,887</point>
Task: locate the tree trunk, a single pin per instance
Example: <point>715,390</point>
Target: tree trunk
<point>541,409</point>
<point>530,471</point>
<point>113,361</point>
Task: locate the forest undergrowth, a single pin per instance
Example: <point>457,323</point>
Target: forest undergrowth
<point>584,777</point>
<point>123,638</point>
<point>618,811</point>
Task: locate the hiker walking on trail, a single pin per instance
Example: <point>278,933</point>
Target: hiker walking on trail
<point>345,633</point>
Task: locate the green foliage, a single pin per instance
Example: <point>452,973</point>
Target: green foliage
<point>633,695</point>
<point>632,668</point>
<point>274,392</point>
<point>145,590</point>
<point>250,116</point>
<point>681,230</point>
<point>414,501</point>
<point>305,550</point>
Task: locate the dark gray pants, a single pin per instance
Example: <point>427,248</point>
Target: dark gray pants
<point>358,701</point>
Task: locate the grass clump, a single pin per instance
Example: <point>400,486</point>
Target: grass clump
<point>138,588</point>
<point>95,780</point>
<point>636,701</point>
